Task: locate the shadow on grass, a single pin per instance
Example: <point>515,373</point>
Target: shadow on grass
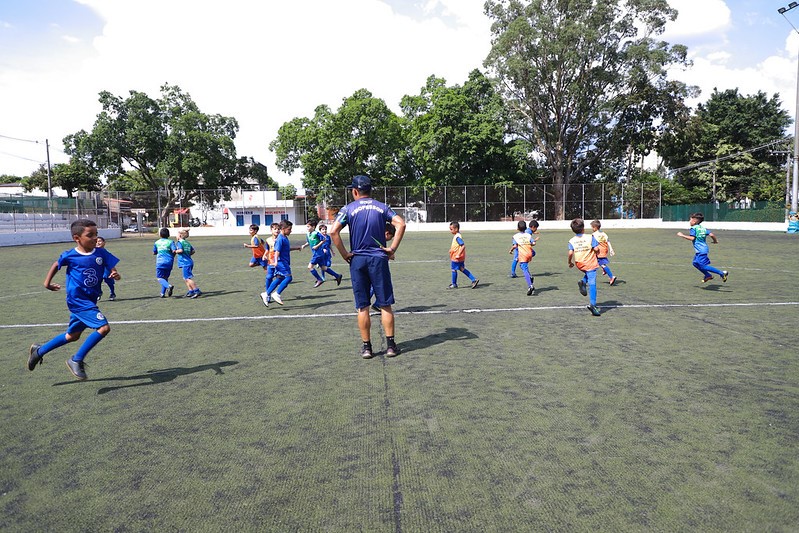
<point>607,306</point>
<point>715,288</point>
<point>208,294</point>
<point>156,376</point>
<point>449,334</point>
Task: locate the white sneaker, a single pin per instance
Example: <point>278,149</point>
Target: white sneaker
<point>265,298</point>
<point>276,297</point>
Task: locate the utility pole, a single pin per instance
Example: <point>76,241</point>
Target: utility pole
<point>49,179</point>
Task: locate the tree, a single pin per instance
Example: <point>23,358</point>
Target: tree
<point>362,137</point>
<point>457,134</point>
<point>72,177</point>
<point>727,147</point>
<point>175,148</point>
<point>572,72</point>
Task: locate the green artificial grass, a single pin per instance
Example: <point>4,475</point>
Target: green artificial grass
<point>676,410</point>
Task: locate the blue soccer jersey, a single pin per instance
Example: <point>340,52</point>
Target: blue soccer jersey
<point>283,248</point>
<point>85,275</point>
<point>700,239</point>
<point>184,258</point>
<point>164,250</point>
<point>366,236</point>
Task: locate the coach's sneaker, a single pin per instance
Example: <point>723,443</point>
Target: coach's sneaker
<point>77,368</point>
<point>265,298</point>
<point>338,279</point>
<point>169,290</point>
<point>376,308</point>
<point>366,351</point>
<point>724,276</point>
<point>276,297</point>
<point>452,286</point>
<point>706,279</point>
<point>594,310</point>
<point>392,351</point>
<point>474,283</point>
<point>530,290</point>
<point>581,285</point>
<point>318,282</point>
<point>33,357</point>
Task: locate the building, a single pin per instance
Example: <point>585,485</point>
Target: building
<point>255,207</point>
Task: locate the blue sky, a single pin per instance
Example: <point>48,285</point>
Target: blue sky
<point>268,62</point>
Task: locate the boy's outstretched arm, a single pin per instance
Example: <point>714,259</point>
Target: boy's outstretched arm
<point>48,279</point>
<point>570,259</point>
<point>713,238</point>
<point>114,274</point>
<point>686,237</point>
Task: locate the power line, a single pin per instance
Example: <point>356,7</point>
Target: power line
<point>20,157</point>
<point>724,158</point>
<point>18,139</point>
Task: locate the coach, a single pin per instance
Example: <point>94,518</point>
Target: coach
<point>368,258</point>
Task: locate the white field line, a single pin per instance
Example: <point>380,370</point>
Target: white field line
<point>442,312</point>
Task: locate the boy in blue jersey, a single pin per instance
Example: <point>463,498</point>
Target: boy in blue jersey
<point>183,251</point>
<point>319,254</point>
<point>698,235</point>
<point>85,265</point>
<point>269,261</point>
<point>164,251</point>
<point>282,256</point>
<point>107,274</point>
<point>326,258</point>
<point>368,258</point>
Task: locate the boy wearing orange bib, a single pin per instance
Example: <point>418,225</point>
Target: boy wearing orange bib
<point>582,252</point>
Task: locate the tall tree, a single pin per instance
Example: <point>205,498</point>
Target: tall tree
<point>362,136</point>
<point>72,177</point>
<point>731,134</point>
<point>176,148</point>
<point>572,72</point>
<point>457,135</point>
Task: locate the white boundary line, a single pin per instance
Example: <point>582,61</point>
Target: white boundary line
<point>444,312</point>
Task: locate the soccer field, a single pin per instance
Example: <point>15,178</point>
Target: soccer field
<point>676,410</point>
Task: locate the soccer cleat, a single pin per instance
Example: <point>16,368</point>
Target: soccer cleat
<point>613,280</point>
<point>112,297</point>
<point>265,298</point>
<point>452,286</point>
<point>163,295</point>
<point>188,294</point>
<point>530,290</point>
<point>392,351</point>
<point>724,276</point>
<point>366,352</point>
<point>513,276</point>
<point>338,280</point>
<point>276,297</point>
<point>594,309</point>
<point>707,278</point>
<point>33,357</point>
<point>474,283</point>
<point>77,368</point>
<point>195,294</point>
<point>581,285</point>
<point>169,290</point>
<point>318,282</point>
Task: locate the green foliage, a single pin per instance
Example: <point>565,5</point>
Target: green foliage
<point>72,177</point>
<point>726,128</point>
<point>8,178</point>
<point>362,137</point>
<point>585,81</point>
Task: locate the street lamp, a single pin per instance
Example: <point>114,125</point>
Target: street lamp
<point>795,185</point>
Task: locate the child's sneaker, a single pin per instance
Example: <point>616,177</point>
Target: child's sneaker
<point>452,286</point>
<point>169,290</point>
<point>530,290</point>
<point>707,278</point>
<point>33,357</point>
<point>265,298</point>
<point>77,368</point>
<point>276,297</point>
<point>513,275</point>
<point>594,310</point>
<point>338,279</point>
<point>581,285</point>
<point>195,294</point>
<point>112,297</point>
<point>474,283</point>
<point>613,280</point>
<point>724,276</point>
<point>318,282</point>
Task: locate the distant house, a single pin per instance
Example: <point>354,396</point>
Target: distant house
<point>257,207</point>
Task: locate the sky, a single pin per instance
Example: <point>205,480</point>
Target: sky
<point>267,62</point>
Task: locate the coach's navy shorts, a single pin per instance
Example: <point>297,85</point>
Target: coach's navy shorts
<point>367,272</point>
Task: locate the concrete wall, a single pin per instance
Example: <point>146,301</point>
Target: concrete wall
<point>22,238</point>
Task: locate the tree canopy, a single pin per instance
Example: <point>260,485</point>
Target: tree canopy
<point>585,81</point>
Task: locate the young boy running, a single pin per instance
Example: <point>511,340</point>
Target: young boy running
<point>269,259</point>
<point>164,251</point>
<point>698,235</point>
<point>582,252</point>
<point>282,263</point>
<point>522,249</point>
<point>326,257</point>
<point>184,251</point>
<point>107,274</point>
<point>457,256</point>
<point>605,250</point>
<point>86,265</point>
<point>256,244</point>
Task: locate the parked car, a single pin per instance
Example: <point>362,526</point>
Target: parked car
<point>133,228</point>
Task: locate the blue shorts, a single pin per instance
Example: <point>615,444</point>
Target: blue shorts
<point>187,272</point>
<point>163,272</point>
<point>701,259</point>
<point>371,272</point>
<point>602,261</point>
<point>283,270</point>
<point>258,261</point>
<point>458,265</point>
<point>317,259</point>
<point>326,261</point>
<point>90,318</point>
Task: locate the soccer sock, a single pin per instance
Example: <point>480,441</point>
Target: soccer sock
<point>332,272</point>
<point>591,278</point>
<point>316,275</point>
<point>52,344</point>
<point>390,341</point>
<point>454,277</point>
<point>284,284</point>
<point>87,345</point>
<point>606,270</point>
<point>528,278</point>
<point>513,266</point>
<point>273,284</point>
<point>367,345</point>
<point>714,270</point>
<point>164,284</point>
<point>469,275</point>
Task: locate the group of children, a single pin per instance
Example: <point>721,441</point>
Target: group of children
<point>89,264</point>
